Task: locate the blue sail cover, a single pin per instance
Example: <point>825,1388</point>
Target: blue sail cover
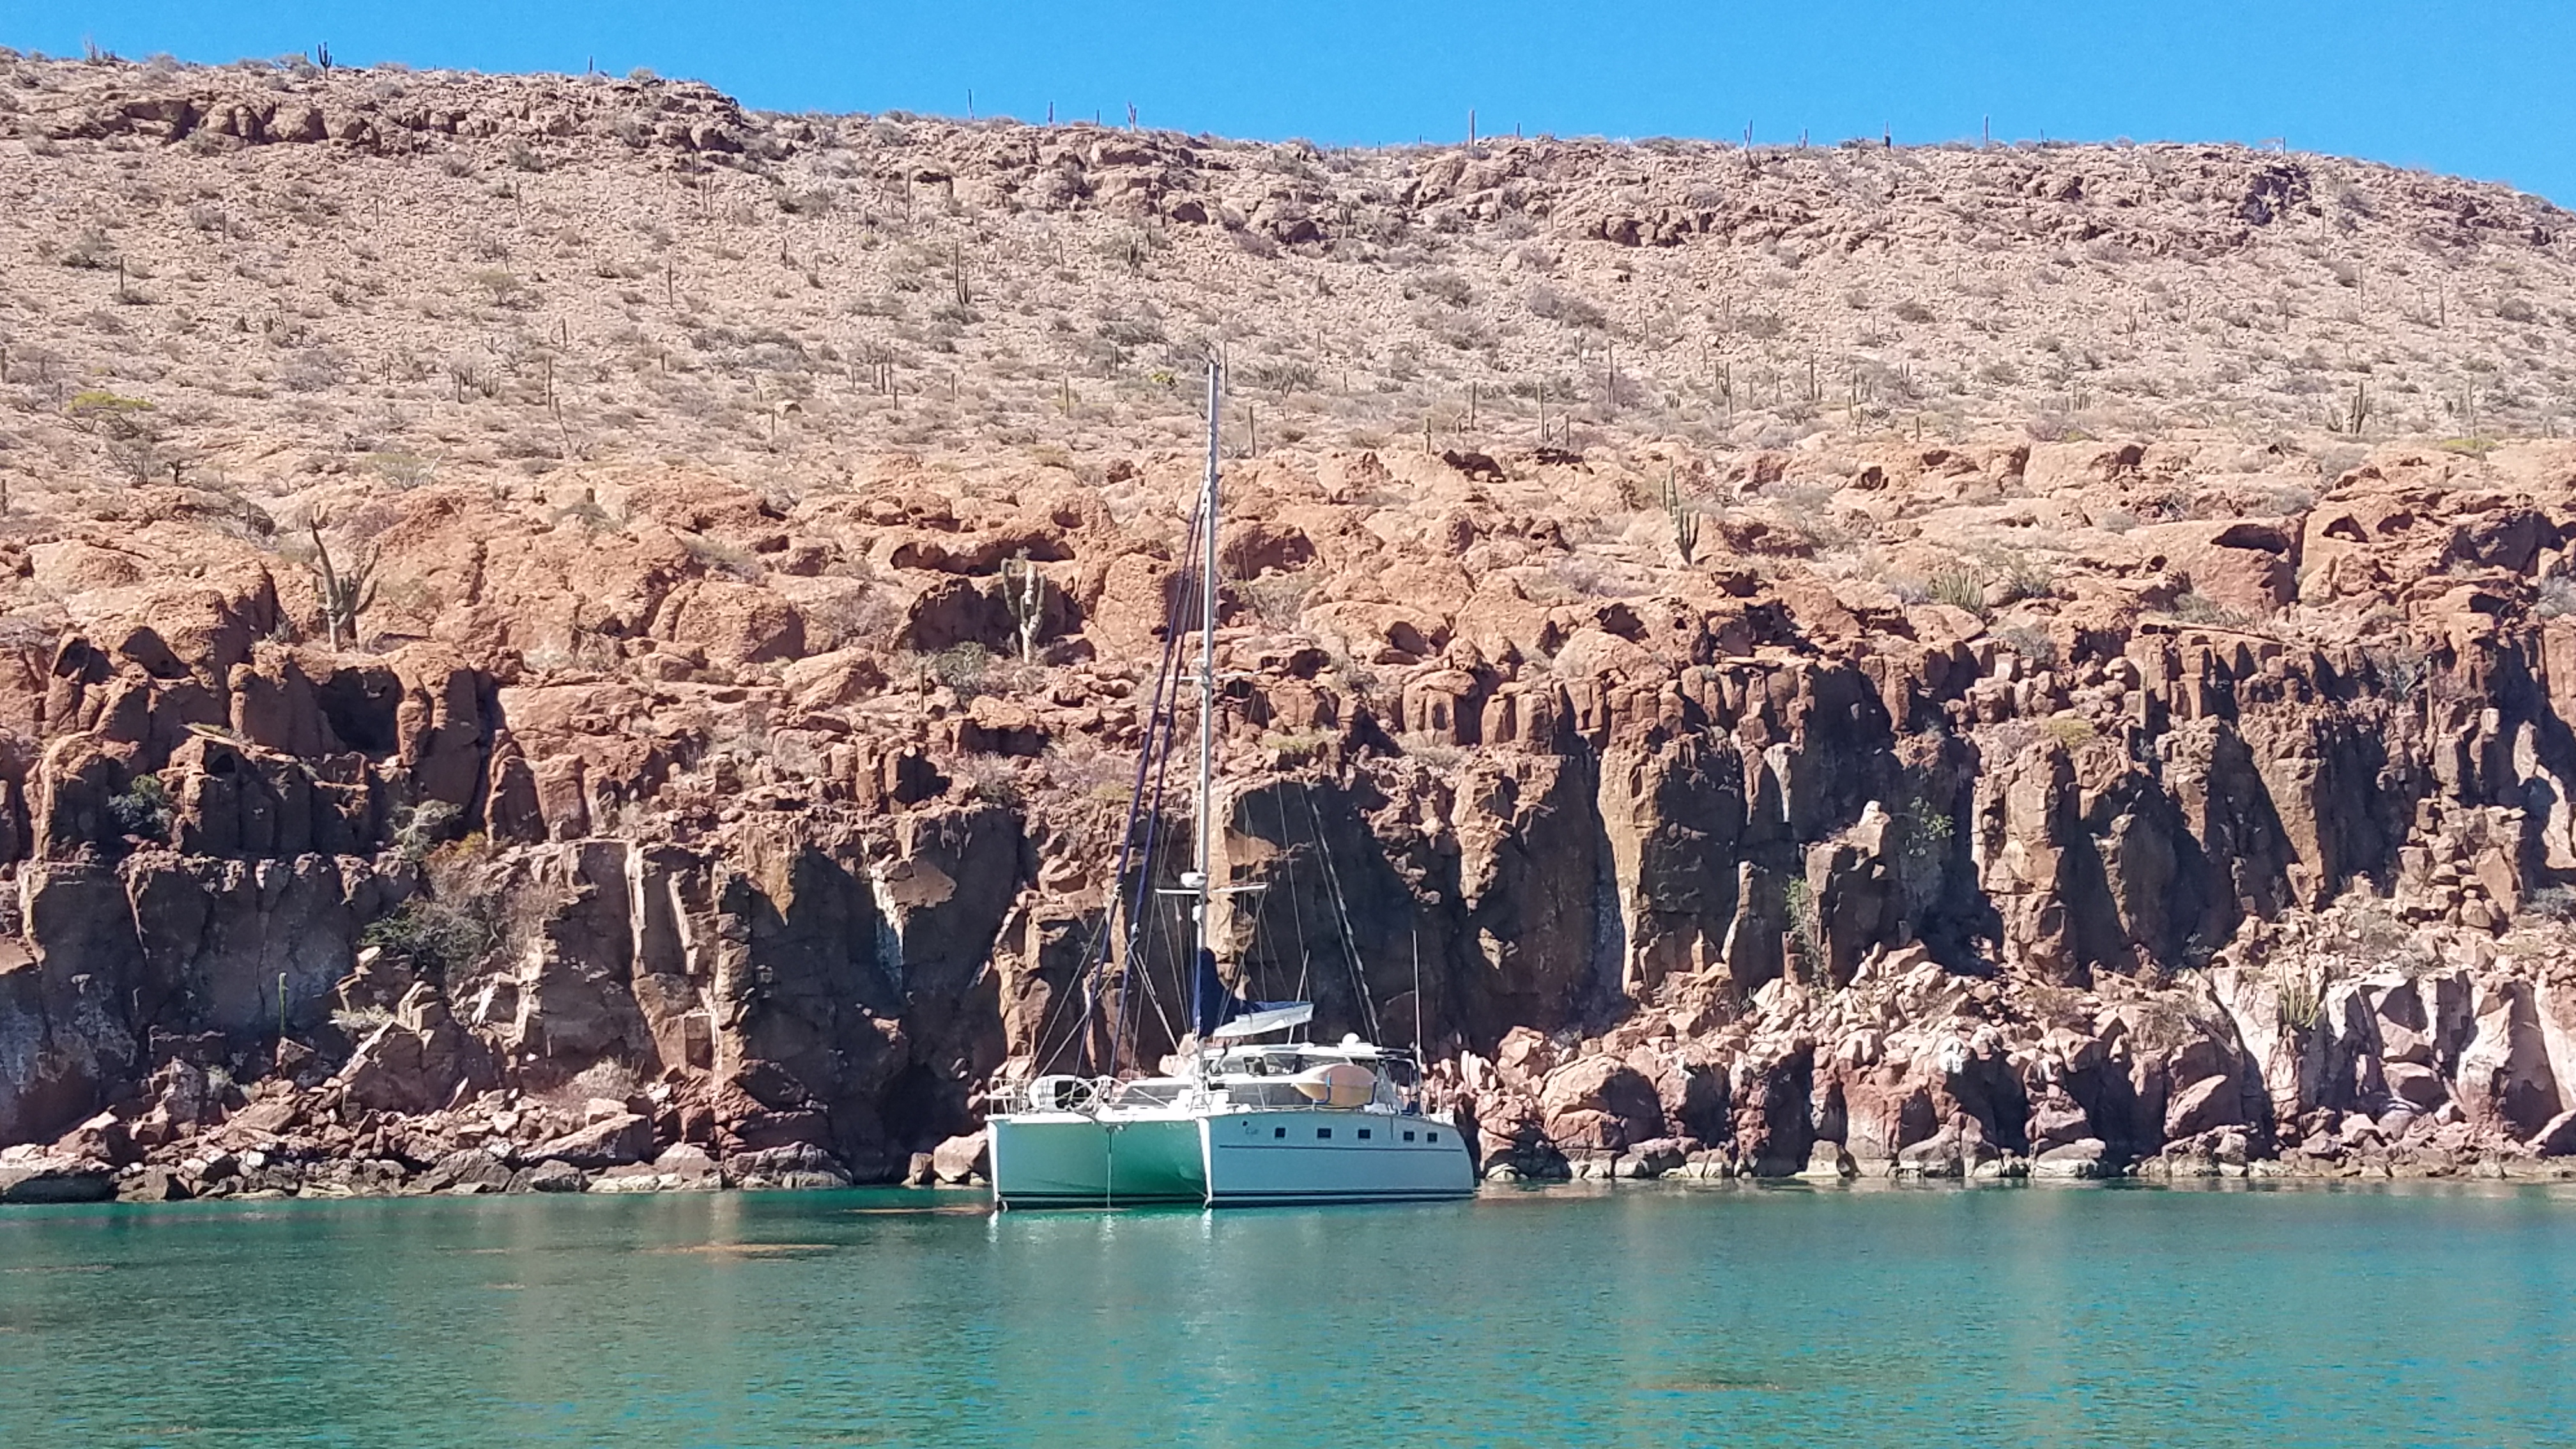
<point>1212,1006</point>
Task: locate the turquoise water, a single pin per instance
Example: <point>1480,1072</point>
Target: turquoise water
<point>1642,1315</point>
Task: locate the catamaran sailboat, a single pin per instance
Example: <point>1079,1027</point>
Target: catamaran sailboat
<point>1247,1111</point>
<point>1248,1122</point>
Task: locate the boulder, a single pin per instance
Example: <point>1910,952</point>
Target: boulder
<point>1655,1157</point>
<point>1600,1103</point>
<point>56,1180</point>
<point>1524,1057</point>
<point>2085,1157</point>
<point>2205,1104</point>
<point>103,1138</point>
<point>734,623</point>
<point>688,1167</point>
<point>151,1184</point>
<point>1828,1162</point>
<point>2506,1080</point>
<point>2250,565</point>
<point>469,1169</point>
<point>419,1061</point>
<point>1959,1149</point>
<point>632,1177</point>
<point>551,1175</point>
<point>799,1167</point>
<point>623,1138</point>
<point>1938,1155</point>
<point>2057,1121</point>
<point>961,1160</point>
<point>2418,1086</point>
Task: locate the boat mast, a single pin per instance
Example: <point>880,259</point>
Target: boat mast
<point>1207,671</point>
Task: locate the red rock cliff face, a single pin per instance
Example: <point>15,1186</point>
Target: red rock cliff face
<point>1736,875</point>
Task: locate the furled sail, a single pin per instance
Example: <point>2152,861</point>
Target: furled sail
<point>1212,1006</point>
<point>1269,1016</point>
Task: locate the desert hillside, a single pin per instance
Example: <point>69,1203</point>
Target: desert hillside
<point>555,631</point>
<point>312,271</point>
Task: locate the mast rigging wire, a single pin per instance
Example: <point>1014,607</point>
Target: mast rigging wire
<point>1342,912</point>
<point>1159,725</point>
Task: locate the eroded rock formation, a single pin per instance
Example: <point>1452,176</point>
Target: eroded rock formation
<point>720,775</point>
<point>1767,876</point>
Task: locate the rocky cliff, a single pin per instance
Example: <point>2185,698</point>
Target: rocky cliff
<point>1721,764</point>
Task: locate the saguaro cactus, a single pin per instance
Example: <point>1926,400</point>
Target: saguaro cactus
<point>1023,591</point>
<point>1685,521</point>
<point>345,595</point>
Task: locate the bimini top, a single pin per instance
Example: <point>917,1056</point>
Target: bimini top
<point>1275,1018</point>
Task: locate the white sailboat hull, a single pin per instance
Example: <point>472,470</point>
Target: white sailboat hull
<point>1237,1157</point>
<point>1261,1156</point>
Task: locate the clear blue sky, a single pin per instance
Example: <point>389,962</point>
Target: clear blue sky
<point>2478,87</point>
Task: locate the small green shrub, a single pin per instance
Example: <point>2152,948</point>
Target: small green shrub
<point>2163,1024</point>
<point>2025,577</point>
<point>440,939</point>
<point>402,470</point>
<point>145,810</point>
<point>1806,927</point>
<point>90,251</point>
<point>2300,1005</point>
<point>503,287</point>
<point>2553,903</point>
<point>2030,643</point>
<point>98,403</point>
<point>994,781</point>
<point>2070,730</point>
<point>1446,287</point>
<point>2054,1005</point>
<point>962,667</point>
<point>418,829</point>
<point>1298,747</point>
<point>717,556</point>
<point>1277,599</point>
<point>2196,608</point>
<point>1547,302</point>
<point>1960,589</point>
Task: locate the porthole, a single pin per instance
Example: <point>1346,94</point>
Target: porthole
<point>1408,1136</point>
<point>1435,1136</point>
<point>1323,1133</point>
<point>1278,1131</point>
<point>1364,1134</point>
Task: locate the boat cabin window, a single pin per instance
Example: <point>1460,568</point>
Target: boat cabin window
<point>1266,1064</point>
<point>1278,1131</point>
<point>1323,1132</point>
<point>1408,1136</point>
<point>1435,1136</point>
<point>1288,1061</point>
<point>1364,1134</point>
